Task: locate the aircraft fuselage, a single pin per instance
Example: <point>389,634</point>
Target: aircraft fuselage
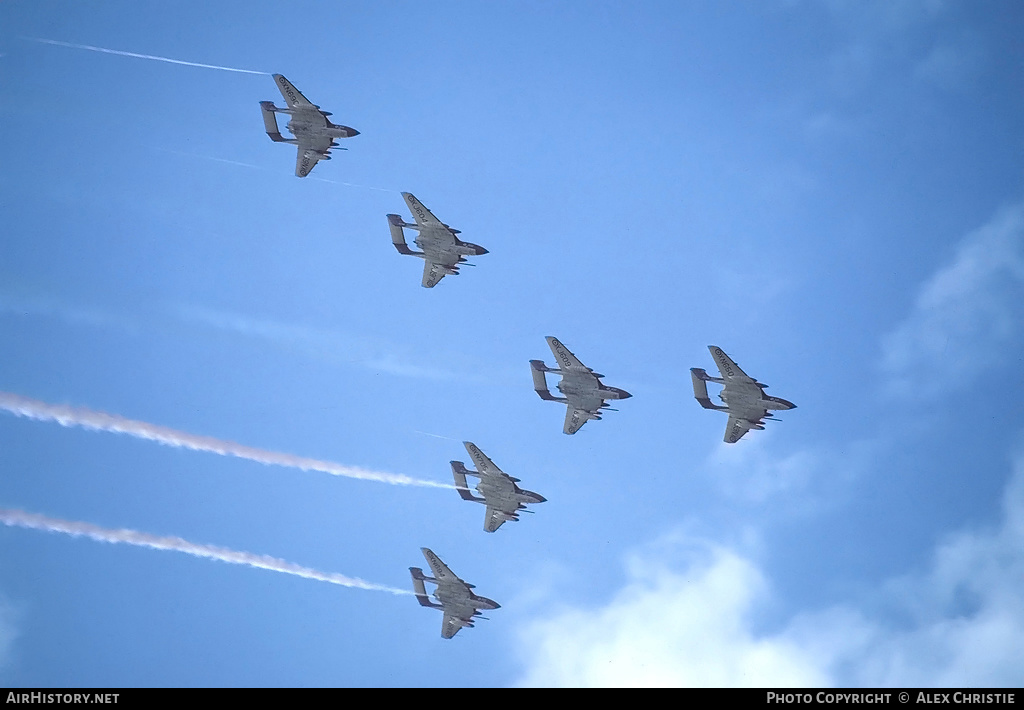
<point>462,601</point>
<point>306,128</point>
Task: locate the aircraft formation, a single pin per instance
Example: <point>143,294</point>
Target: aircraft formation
<point>583,393</point>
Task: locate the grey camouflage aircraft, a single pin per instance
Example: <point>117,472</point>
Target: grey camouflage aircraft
<point>442,250</point>
<point>314,133</point>
<point>582,387</point>
<point>744,397</point>
<point>461,606</point>
<point>503,498</point>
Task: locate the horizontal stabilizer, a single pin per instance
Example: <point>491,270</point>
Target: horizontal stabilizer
<point>700,389</point>
<point>419,590</point>
<point>461,468</point>
<point>270,123</point>
<point>540,384</point>
<point>459,472</point>
<point>395,222</point>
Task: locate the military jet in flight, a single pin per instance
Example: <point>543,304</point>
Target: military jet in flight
<point>503,498</point>
<point>442,250</point>
<point>461,606</point>
<point>744,397</point>
<point>581,386</point>
<point>314,133</point>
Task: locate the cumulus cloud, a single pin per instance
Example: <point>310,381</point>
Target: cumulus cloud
<point>966,613</point>
<point>669,627</point>
<point>966,317</point>
<point>746,473</point>
<point>695,622</point>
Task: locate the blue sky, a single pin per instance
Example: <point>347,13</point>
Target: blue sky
<point>830,191</point>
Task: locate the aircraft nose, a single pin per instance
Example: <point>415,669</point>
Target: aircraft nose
<point>351,132</point>
<point>480,251</point>
<point>623,394</point>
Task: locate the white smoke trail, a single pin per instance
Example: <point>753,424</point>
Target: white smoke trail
<point>34,521</point>
<point>143,56</point>
<point>101,421</point>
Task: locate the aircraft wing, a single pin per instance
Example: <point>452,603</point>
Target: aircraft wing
<point>565,359</point>
<point>735,428</point>
<point>421,214</point>
<point>493,518</point>
<point>310,153</point>
<point>480,460</point>
<point>729,369</point>
<point>575,418</point>
<point>439,568</point>
<point>292,96</point>
<point>450,625</point>
<point>306,160</point>
<point>433,272</point>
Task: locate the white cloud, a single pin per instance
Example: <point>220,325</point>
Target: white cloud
<point>967,315</point>
<point>743,471</point>
<point>669,628</point>
<point>319,343</point>
<point>967,610</point>
<point>959,623</point>
<point>48,306</point>
<point>322,344</point>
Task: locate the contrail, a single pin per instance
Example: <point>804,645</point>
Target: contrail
<point>260,167</point>
<point>101,421</point>
<point>436,436</point>
<point>350,184</point>
<point>209,157</point>
<point>143,56</point>
<point>34,521</point>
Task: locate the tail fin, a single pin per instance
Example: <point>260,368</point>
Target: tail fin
<point>395,222</point>
<point>540,383</point>
<point>700,389</point>
<point>459,473</point>
<point>270,123</point>
<point>419,590</point>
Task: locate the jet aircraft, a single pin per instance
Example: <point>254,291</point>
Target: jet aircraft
<point>442,250</point>
<point>744,397</point>
<point>582,387</point>
<point>460,605</point>
<point>501,495</point>
<point>314,133</point>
